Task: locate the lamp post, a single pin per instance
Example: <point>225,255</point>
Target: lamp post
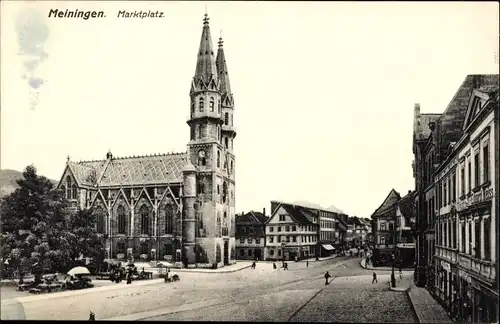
<point>393,277</point>
<point>283,244</point>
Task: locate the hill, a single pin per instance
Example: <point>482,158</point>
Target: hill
<point>8,181</point>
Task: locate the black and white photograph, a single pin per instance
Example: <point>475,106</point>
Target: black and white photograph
<point>259,161</point>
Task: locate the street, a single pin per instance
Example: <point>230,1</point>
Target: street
<point>263,294</point>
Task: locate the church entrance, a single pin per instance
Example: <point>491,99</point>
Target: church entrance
<point>226,252</point>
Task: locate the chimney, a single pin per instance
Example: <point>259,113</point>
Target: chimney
<point>264,211</point>
<point>409,191</point>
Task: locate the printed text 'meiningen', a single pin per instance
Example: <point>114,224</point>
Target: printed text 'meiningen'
<point>56,13</point>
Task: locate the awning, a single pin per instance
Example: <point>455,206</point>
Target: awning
<point>328,247</point>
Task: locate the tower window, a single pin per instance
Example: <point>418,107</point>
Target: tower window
<point>192,134</point>
<point>219,106</point>
<point>192,107</point>
<point>211,104</point>
<point>224,193</point>
<point>202,105</point>
<point>231,167</point>
<point>231,119</point>
<point>226,119</point>
<point>200,132</point>
<point>218,159</point>
<point>226,142</point>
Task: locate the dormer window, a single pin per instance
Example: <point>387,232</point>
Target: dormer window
<point>202,105</point>
<point>211,104</point>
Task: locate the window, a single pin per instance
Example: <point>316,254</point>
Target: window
<point>445,237</point>
<point>231,167</point>
<point>211,104</point>
<point>294,228</point>
<point>121,219</point>
<point>287,228</point>
<point>249,240</point>
<point>201,188</point>
<point>294,239</point>
<point>271,252</point>
<point>249,252</point>
<point>192,132</point>
<point>63,190</point>
<point>218,159</point>
<point>279,228</point>
<point>445,196</point>
<point>242,240</point>
<point>144,212</point>
<point>224,194</point>
<point>242,252</point>
<point>201,105</point>
<point>282,218</point>
<point>100,219</point>
<point>470,237</point>
<point>271,239</point>
<point>169,249</point>
<point>382,227</point>
<point>462,181</point>
<point>382,240</point>
<point>68,187</point>
<point>477,238</point>
<point>226,142</point>
<point>169,219</point>
<point>487,239</point>
<point>120,248</point>
<point>454,187</point>
<point>288,239</point>
<point>469,177</point>
<point>454,233</point>
<point>271,229</point>
<point>279,253</point>
<point>476,170</point>
<point>144,248</point>
<point>73,191</point>
<point>192,107</point>
<point>219,106</point>
<point>200,131</point>
<point>486,163</point>
<point>279,239</point>
<point>226,119</point>
<point>462,228</point>
<point>257,240</point>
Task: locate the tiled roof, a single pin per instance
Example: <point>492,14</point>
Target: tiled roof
<point>140,170</point>
<point>390,201</point>
<point>406,205</point>
<point>261,217</point>
<point>252,218</point>
<point>298,213</point>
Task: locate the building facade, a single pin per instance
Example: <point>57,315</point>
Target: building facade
<point>251,235</point>
<point>466,263</point>
<point>179,206</point>
<point>383,227</point>
<point>357,232</point>
<point>405,231</point>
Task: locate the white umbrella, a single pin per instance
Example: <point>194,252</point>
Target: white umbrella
<point>78,271</point>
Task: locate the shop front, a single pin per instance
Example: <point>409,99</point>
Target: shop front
<point>485,306</point>
<point>405,254</point>
<point>465,296</point>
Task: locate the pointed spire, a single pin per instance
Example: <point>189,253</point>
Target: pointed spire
<point>225,86</point>
<point>205,65</point>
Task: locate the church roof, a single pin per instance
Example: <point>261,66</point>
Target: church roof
<point>140,170</point>
<point>205,64</point>
<point>225,86</point>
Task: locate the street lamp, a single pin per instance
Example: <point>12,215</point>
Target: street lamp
<point>283,244</point>
<point>393,277</point>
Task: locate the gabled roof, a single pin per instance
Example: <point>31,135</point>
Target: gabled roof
<point>406,206</point>
<point>150,169</point>
<point>252,217</point>
<point>480,99</point>
<point>298,213</point>
<point>389,202</point>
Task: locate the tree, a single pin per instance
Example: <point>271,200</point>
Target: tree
<point>34,225</point>
<point>83,236</point>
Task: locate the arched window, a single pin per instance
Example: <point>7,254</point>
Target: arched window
<point>220,134</point>
<point>169,219</point>
<point>231,169</point>
<point>224,192</point>
<point>100,219</point>
<point>144,212</point>
<point>202,104</point>
<point>63,190</point>
<point>226,142</point>
<point>192,134</point>
<point>225,215</point>
<point>200,131</point>
<point>73,191</point>
<point>68,187</point>
<point>211,104</point>
<point>219,105</point>
<point>121,220</point>
<point>218,159</point>
<point>226,119</point>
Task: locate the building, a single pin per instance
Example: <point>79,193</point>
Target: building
<point>405,231</point>
<point>383,227</point>
<point>357,232</point>
<point>434,135</point>
<point>466,244</point>
<point>303,232</point>
<point>177,206</point>
<point>251,235</point>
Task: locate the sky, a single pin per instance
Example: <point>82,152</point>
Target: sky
<point>324,91</point>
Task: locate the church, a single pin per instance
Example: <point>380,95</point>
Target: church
<point>178,207</point>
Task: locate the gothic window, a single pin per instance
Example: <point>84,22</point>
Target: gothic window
<point>63,189</point>
<point>100,219</point>
<point>121,219</point>
<point>224,192</point>
<point>231,167</point>
<point>192,107</point>
<point>73,191</point>
<point>201,104</point>
<point>144,212</point>
<point>218,159</point>
<point>226,142</point>
<point>219,106</point>
<point>200,132</point>
<point>192,134</point>
<point>68,187</point>
<point>211,104</point>
<point>231,119</point>
<point>220,134</point>
<point>226,119</point>
<point>169,219</point>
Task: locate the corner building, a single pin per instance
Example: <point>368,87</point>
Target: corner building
<point>178,207</point>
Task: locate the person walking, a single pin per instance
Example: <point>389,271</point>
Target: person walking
<point>253,265</point>
<point>400,273</point>
<point>307,263</point>
<point>274,266</point>
<point>92,316</point>
<point>327,276</point>
<point>285,266</point>
<point>374,278</point>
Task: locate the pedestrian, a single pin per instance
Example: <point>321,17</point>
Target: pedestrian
<point>400,273</point>
<point>374,277</point>
<point>307,263</point>
<point>274,266</point>
<point>253,265</point>
<point>285,266</point>
<point>327,276</point>
<point>92,316</point>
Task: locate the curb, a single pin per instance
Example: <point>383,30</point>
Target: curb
<point>209,270</point>
<point>413,306</point>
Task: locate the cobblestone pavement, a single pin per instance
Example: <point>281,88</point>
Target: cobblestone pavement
<point>225,296</point>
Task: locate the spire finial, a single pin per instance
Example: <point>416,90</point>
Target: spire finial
<point>220,39</point>
<point>67,158</point>
<point>205,20</point>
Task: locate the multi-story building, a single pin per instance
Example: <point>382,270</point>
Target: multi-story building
<point>251,235</point>
<point>433,137</point>
<point>302,232</point>
<point>405,231</point>
<point>138,200</point>
<point>466,240</point>
<point>383,227</point>
<point>357,232</point>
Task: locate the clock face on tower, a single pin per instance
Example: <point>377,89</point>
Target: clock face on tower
<point>201,154</point>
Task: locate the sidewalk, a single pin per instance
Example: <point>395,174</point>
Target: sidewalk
<point>363,265</point>
<point>240,265</point>
<point>425,307</point>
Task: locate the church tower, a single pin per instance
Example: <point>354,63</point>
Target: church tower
<point>209,206</point>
